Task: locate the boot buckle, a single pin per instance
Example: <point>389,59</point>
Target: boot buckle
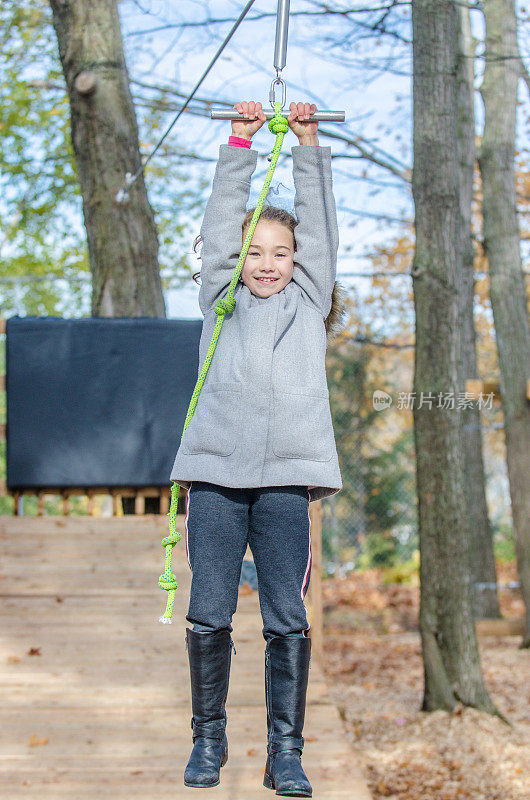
<point>286,743</point>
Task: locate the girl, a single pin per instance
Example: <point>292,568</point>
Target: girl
<point>260,446</point>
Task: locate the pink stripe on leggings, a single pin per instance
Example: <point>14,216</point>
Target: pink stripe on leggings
<point>305,582</point>
<point>186,524</point>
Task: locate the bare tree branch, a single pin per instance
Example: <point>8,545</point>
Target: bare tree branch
<point>386,217</point>
<point>346,14</point>
<point>401,171</point>
<point>364,149</point>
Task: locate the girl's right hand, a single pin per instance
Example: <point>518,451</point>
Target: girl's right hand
<point>254,119</point>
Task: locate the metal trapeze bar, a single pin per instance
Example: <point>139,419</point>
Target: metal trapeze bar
<point>280,54</point>
<point>318,116</point>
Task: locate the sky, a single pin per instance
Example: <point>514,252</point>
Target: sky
<point>245,71</point>
<point>372,203</point>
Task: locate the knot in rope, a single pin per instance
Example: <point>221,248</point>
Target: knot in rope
<point>278,123</point>
<point>225,306</point>
<point>168,582</point>
<point>171,540</point>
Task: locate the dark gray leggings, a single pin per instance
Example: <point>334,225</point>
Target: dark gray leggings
<point>275,522</point>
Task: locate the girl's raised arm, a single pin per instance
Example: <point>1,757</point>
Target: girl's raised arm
<point>221,229</point>
<point>317,234</point>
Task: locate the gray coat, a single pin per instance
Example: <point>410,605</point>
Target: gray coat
<point>263,416</point>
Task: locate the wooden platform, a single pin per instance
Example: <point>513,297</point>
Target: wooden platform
<point>95,692</point>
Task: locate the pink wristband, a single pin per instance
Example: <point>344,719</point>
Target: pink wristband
<point>238,141</point>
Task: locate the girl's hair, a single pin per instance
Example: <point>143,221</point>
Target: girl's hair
<point>268,213</point>
<point>271,214</point>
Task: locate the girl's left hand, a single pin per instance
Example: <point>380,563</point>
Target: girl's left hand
<point>298,120</point>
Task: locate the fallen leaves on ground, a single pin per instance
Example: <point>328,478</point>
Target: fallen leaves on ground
<point>37,741</point>
<point>373,660</point>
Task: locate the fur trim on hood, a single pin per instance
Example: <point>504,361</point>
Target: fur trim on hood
<point>335,321</point>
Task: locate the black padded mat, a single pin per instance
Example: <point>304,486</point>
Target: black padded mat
<point>97,402</point>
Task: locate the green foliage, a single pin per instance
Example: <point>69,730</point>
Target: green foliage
<point>53,506</point>
<point>42,235</point>
<point>503,546</point>
<point>405,572</point>
<point>375,513</point>
<point>177,212</point>
<point>328,549</point>
<point>378,550</point>
<point>390,497</point>
<point>40,209</point>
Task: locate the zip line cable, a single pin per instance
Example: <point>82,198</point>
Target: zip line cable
<point>123,195</point>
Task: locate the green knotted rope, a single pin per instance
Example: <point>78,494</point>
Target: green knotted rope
<point>226,305</point>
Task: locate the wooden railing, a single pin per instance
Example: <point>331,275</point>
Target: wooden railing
<point>116,494</point>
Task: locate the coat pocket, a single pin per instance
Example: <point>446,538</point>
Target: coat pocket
<point>214,426</point>
<point>302,426</point>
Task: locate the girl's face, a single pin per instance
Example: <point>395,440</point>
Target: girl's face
<point>268,267</point>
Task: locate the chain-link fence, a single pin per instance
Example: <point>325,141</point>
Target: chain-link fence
<point>373,521</point>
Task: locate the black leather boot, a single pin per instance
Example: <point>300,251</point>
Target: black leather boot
<point>287,660</point>
<point>209,656</point>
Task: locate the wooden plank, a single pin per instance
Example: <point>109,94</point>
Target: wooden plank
<point>2,325</point>
<point>106,693</point>
<point>164,501</point>
<point>66,502</point>
<point>90,503</point>
<point>148,491</point>
<point>2,383</point>
<point>509,626</point>
<point>104,526</point>
<point>161,778</point>
<point>84,492</point>
<point>135,691</point>
<point>127,730</point>
<point>315,597</point>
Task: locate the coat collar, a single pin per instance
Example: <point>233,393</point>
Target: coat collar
<point>287,301</point>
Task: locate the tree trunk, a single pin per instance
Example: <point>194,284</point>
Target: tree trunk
<point>479,534</point>
<point>501,244</point>
<point>449,642</point>
<point>122,239</point>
